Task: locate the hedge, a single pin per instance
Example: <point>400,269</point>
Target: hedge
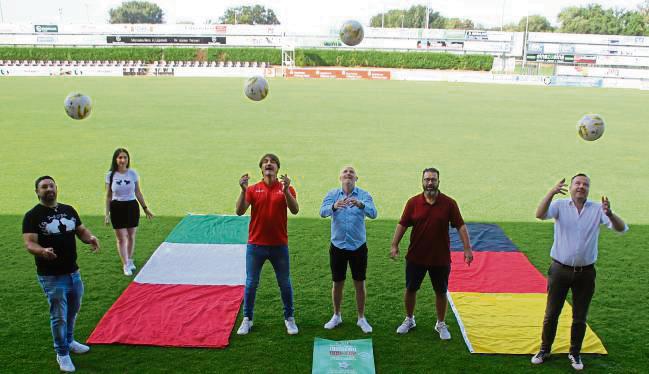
<point>303,57</point>
<point>80,54</point>
<point>402,60</point>
<point>271,55</point>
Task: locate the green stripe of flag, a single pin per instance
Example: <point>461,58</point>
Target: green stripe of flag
<point>211,229</point>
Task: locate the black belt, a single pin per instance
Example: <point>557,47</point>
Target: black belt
<point>576,269</point>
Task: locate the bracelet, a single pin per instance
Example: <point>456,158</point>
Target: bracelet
<point>143,206</point>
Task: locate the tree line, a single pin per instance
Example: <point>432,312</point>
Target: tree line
<point>588,19</point>
<point>148,12</point>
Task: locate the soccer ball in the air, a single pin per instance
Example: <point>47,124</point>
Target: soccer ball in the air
<point>590,127</point>
<point>351,33</point>
<point>256,88</point>
<point>77,105</point>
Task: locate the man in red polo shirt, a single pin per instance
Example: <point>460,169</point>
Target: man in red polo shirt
<point>267,236</point>
<point>429,214</point>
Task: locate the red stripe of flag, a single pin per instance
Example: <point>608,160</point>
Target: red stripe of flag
<point>171,315</point>
<point>495,272</point>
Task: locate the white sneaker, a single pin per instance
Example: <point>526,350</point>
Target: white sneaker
<point>291,327</point>
<point>362,323</point>
<point>131,265</point>
<point>127,270</point>
<point>575,362</point>
<point>245,327</point>
<point>408,323</point>
<point>78,348</point>
<point>442,329</point>
<point>65,363</point>
<point>333,322</point>
<point>540,357</point>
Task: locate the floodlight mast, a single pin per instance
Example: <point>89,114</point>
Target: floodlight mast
<point>526,36</point>
<point>427,15</point>
<point>502,17</point>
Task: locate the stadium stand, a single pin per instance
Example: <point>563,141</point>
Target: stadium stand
<point>608,57</point>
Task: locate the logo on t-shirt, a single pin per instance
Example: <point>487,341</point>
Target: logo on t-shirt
<point>58,224</point>
<point>120,181</point>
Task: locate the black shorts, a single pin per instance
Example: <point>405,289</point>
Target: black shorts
<point>338,259</point>
<point>124,214</point>
<point>438,276</point>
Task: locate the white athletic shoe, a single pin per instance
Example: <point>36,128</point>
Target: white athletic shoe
<point>127,270</point>
<point>333,322</point>
<point>362,323</point>
<point>575,362</point>
<point>442,329</point>
<point>131,265</point>
<point>540,357</point>
<point>408,323</point>
<point>245,327</point>
<point>65,363</point>
<point>291,327</point>
<point>78,348</point>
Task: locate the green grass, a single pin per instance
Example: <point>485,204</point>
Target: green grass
<point>615,313</point>
<point>499,149</point>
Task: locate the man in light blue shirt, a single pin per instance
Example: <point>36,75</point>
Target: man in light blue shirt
<point>574,252</point>
<point>348,206</point>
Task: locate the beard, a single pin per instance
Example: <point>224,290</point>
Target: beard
<point>48,197</point>
<point>430,189</point>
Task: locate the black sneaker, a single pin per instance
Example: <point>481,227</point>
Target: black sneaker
<point>575,361</point>
<point>540,357</point>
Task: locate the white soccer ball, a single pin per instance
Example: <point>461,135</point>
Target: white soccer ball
<point>77,106</point>
<point>351,33</point>
<point>256,88</point>
<point>590,127</point>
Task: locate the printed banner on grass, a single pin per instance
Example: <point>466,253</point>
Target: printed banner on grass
<point>189,292</point>
<point>343,357</point>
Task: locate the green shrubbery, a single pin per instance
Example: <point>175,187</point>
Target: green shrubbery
<point>404,60</point>
<point>304,57</point>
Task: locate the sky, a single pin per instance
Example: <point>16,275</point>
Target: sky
<point>295,14</point>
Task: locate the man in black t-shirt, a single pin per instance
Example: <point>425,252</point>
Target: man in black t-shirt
<point>49,231</point>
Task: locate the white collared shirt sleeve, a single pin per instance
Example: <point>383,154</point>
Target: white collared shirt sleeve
<point>553,210</point>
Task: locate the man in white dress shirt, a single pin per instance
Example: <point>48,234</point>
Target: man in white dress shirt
<point>574,252</point>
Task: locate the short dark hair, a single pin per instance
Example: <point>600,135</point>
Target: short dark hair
<point>272,157</point>
<point>579,175</point>
<point>40,179</point>
<point>430,170</point>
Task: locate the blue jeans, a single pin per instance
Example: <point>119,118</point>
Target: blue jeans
<point>64,293</point>
<point>256,255</point>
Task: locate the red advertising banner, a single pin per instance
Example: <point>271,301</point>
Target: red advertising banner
<point>312,73</point>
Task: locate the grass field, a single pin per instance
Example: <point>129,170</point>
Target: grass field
<point>499,149</point>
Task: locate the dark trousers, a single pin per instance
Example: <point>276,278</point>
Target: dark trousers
<point>582,283</point>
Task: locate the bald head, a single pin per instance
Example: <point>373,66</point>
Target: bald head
<point>348,176</point>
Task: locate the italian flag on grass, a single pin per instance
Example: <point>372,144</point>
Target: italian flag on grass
<point>189,292</point>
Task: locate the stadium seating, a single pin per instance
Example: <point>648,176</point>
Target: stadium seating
<point>130,64</point>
